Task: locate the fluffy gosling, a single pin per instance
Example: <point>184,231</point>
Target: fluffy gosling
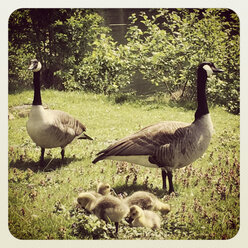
<point>102,189</point>
<point>111,208</point>
<point>147,201</point>
<point>86,200</point>
<point>144,218</point>
<point>108,208</point>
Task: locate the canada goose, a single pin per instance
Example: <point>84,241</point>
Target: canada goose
<point>144,218</point>
<point>105,207</point>
<point>50,128</point>
<point>170,144</point>
<point>147,201</point>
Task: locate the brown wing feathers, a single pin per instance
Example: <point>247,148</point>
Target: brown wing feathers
<point>144,142</point>
<point>70,122</point>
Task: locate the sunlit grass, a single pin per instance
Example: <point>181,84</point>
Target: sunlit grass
<point>41,203</point>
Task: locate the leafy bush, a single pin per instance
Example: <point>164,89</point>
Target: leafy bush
<point>170,45</point>
<point>78,52</point>
<point>59,38</point>
<point>105,69</point>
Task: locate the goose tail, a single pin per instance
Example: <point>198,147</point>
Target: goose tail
<point>84,136</point>
<point>100,156</point>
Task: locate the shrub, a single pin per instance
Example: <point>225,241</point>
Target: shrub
<point>105,68</point>
<point>170,45</point>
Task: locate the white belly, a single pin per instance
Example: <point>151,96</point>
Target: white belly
<point>135,159</point>
<point>38,125</point>
<point>180,153</point>
<point>38,133</point>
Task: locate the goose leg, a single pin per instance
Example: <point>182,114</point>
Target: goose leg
<point>171,188</point>
<point>164,174</point>
<point>62,153</point>
<point>116,227</point>
<point>42,156</point>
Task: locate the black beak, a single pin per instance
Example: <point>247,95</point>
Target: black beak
<point>32,66</point>
<point>217,70</point>
<point>85,136</point>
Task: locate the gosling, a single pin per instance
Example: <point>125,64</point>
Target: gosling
<point>108,208</point>
<point>144,218</point>
<point>102,189</point>
<point>147,201</point>
<point>86,200</point>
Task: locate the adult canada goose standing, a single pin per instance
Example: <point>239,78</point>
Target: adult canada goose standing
<point>50,128</point>
<point>169,145</point>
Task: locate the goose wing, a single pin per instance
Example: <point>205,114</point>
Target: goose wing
<point>146,141</point>
<point>67,122</point>
<point>63,127</point>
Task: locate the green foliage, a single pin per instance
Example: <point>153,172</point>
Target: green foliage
<point>42,202</point>
<point>87,226</point>
<point>81,31</point>
<point>58,37</point>
<point>170,45</point>
<point>78,52</point>
<point>105,68</point>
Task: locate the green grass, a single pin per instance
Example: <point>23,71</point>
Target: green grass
<point>42,202</point>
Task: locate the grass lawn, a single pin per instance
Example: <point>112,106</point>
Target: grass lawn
<point>42,202</point>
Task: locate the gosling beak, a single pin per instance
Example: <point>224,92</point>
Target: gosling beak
<point>129,219</point>
<point>85,136</point>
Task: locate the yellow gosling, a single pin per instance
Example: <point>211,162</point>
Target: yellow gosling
<point>147,201</point>
<point>144,218</point>
<point>108,208</point>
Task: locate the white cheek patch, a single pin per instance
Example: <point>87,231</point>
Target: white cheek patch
<point>38,68</point>
<point>208,69</point>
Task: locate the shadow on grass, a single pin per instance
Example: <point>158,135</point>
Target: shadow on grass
<point>155,100</point>
<point>129,189</point>
<point>49,164</point>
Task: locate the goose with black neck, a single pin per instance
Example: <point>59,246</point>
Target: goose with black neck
<point>50,128</point>
<point>169,144</point>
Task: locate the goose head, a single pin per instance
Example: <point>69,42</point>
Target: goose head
<point>35,65</point>
<point>209,68</point>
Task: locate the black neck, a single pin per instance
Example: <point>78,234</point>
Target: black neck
<point>37,96</point>
<point>202,108</point>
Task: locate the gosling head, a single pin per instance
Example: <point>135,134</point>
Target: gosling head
<point>165,209</point>
<point>86,200</point>
<point>209,68</point>
<point>135,212</point>
<point>35,65</point>
<point>103,188</point>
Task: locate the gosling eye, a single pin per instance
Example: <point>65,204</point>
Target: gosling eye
<point>133,214</point>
